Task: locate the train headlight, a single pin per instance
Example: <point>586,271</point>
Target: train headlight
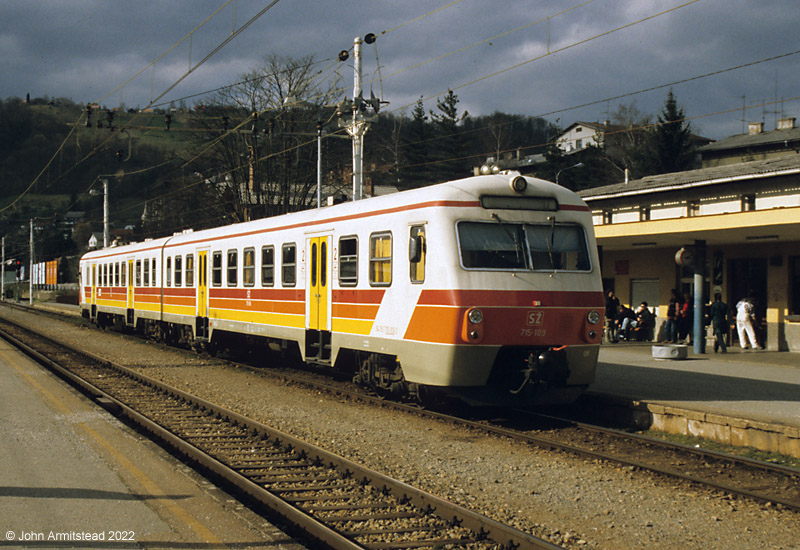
<point>472,327</point>
<point>593,317</point>
<point>475,316</point>
<point>519,184</point>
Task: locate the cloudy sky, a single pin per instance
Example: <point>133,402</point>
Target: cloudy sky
<point>566,60</point>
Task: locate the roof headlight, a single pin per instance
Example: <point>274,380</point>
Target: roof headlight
<point>519,184</point>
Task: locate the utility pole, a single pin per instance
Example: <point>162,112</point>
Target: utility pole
<point>30,271</point>
<point>359,124</point>
<point>105,213</point>
<point>3,273</point>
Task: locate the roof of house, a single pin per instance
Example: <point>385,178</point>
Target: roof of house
<point>741,141</point>
<point>695,178</point>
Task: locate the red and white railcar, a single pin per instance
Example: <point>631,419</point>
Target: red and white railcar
<point>488,288</point>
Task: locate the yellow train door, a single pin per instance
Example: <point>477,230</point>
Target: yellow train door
<point>94,290</point>
<point>202,294</point>
<point>130,300</point>
<point>318,336</point>
<point>318,283</point>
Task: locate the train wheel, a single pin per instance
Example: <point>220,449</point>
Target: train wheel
<point>382,373</point>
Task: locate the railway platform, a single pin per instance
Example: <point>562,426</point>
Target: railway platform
<point>743,398</point>
<point>73,476</point>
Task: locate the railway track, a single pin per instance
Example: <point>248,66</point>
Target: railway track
<point>327,498</point>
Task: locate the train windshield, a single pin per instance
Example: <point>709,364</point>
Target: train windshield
<point>516,246</point>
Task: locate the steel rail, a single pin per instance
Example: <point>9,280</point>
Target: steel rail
<point>483,527</point>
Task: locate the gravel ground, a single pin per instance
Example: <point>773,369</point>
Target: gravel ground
<point>574,502</point>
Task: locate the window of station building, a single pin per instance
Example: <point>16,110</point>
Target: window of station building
<point>380,259</point>
<point>189,270</point>
<point>267,266</point>
<point>644,213</point>
<point>249,267</point>
<point>216,268</point>
<point>178,270</point>
<point>748,203</point>
<point>168,282</point>
<point>417,251</point>
<point>608,217</point>
<point>138,272</point>
<point>289,265</point>
<point>147,272</point>
<point>232,266</point>
<point>693,208</point>
<point>348,261</point>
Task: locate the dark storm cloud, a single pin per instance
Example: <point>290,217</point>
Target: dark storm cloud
<point>85,49</point>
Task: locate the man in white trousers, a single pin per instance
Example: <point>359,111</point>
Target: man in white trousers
<point>745,314</point>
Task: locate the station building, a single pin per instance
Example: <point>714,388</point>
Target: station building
<point>741,220</point>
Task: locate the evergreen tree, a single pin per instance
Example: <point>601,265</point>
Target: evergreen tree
<point>450,149</point>
<point>672,148</point>
<point>416,144</point>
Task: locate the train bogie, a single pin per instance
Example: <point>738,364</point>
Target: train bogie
<point>487,288</point>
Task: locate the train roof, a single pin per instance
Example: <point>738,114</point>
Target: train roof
<point>463,192</point>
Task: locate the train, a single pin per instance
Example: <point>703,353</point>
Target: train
<point>485,289</point>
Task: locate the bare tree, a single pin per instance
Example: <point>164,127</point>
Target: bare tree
<point>258,148</point>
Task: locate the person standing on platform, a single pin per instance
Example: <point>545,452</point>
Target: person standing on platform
<point>720,321</point>
<point>745,314</point>
<point>685,318</point>
<point>612,309</point>
<point>671,326</point>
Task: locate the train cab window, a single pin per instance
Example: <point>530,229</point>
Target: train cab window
<point>216,268</point>
<point>249,267</point>
<point>147,272</point>
<point>178,270</point>
<point>348,261</point>
<point>267,266</point>
<point>233,258</point>
<point>417,245</point>
<point>289,265</point>
<point>138,272</point>
<point>558,247</point>
<point>168,264</point>
<point>189,270</point>
<point>153,272</point>
<point>380,259</point>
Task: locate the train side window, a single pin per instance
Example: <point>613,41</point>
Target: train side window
<point>348,261</point>
<point>138,272</point>
<point>169,271</point>
<point>116,273</point>
<point>289,265</point>
<point>122,271</point>
<point>153,272</point>
<point>267,266</point>
<point>189,270</point>
<point>417,252</point>
<point>233,258</point>
<point>178,270</point>
<point>147,272</point>
<point>249,267</point>
<point>216,268</point>
<point>380,259</point>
